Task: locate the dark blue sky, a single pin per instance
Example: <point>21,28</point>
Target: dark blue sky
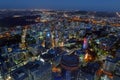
<point>99,5</point>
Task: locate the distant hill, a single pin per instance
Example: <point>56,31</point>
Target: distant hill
<point>15,21</point>
<point>7,19</point>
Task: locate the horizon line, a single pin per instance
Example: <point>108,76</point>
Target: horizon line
<point>58,9</point>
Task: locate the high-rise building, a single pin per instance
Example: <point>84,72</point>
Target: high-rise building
<point>84,76</point>
<point>117,72</point>
<point>69,64</point>
<point>48,42</point>
<point>36,70</point>
<point>40,71</point>
<point>109,64</point>
<point>85,43</point>
<point>19,74</point>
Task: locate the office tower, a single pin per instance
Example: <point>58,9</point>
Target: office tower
<point>40,71</point>
<point>48,42</point>
<point>109,64</point>
<point>69,64</point>
<point>85,43</point>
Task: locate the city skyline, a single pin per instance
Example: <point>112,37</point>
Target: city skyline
<point>89,5</point>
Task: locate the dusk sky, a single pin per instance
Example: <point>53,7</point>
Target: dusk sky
<point>99,5</point>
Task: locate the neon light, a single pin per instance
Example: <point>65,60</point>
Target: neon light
<point>85,43</point>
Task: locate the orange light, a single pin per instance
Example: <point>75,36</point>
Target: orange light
<point>87,57</point>
<point>100,72</point>
<point>7,34</point>
<point>111,76</point>
<point>62,44</point>
<point>54,69</point>
<point>1,36</point>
